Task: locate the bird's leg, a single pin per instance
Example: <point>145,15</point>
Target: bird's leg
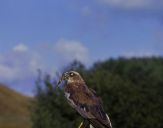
<point>84,124</point>
<point>80,126</point>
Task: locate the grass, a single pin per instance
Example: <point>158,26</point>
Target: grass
<point>14,109</point>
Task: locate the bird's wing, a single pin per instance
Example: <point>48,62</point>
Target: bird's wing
<point>90,107</point>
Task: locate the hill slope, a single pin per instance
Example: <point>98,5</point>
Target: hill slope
<point>14,109</point>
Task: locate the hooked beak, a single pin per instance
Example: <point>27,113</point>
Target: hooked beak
<point>64,77</point>
<point>61,79</point>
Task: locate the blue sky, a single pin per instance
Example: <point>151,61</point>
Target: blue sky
<point>48,34</point>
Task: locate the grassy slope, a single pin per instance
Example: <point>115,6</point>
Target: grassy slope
<point>14,109</point>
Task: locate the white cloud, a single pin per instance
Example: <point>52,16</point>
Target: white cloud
<point>21,63</point>
<point>140,54</point>
<point>20,48</point>
<point>135,4</point>
<point>70,50</point>
<point>16,65</point>
<point>7,72</point>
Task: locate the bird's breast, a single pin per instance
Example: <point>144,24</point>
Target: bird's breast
<point>70,101</point>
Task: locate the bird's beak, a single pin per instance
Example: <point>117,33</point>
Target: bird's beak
<point>64,77</point>
<point>60,81</point>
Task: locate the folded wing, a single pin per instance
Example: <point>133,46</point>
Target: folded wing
<point>90,107</point>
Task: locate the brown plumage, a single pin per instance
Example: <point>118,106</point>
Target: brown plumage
<point>84,100</point>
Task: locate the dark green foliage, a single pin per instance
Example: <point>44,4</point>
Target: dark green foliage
<point>131,90</point>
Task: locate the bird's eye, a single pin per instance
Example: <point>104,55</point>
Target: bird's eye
<point>71,74</point>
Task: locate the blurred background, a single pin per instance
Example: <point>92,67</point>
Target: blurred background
<point>117,46</point>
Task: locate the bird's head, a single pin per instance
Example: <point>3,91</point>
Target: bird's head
<point>71,77</point>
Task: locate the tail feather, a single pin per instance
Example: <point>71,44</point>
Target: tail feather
<point>97,124</point>
<point>101,124</point>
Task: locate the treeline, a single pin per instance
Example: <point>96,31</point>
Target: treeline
<point>131,90</point>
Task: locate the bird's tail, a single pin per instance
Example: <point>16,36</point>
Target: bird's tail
<point>98,124</point>
<point>94,123</point>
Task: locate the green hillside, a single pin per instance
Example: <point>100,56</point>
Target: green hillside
<point>14,109</point>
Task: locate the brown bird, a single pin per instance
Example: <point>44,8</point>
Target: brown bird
<point>84,100</point>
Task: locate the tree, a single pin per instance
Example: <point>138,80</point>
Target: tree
<point>131,90</point>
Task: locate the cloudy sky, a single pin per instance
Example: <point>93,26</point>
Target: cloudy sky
<point>48,34</point>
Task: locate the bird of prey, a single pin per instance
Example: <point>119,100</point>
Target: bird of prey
<point>84,100</point>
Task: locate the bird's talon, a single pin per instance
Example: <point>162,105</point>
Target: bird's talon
<point>80,126</point>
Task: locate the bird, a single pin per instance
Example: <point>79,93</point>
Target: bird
<point>84,100</point>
